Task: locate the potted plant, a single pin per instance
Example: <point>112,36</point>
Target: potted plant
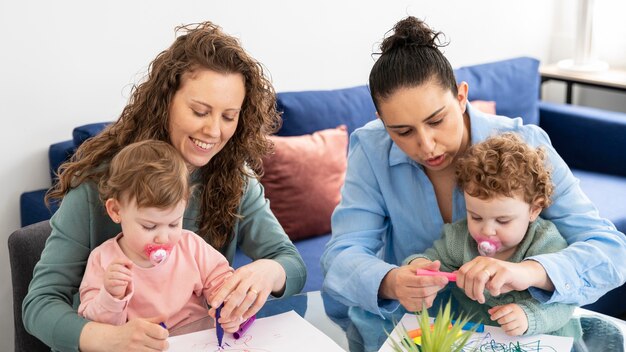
<point>445,334</point>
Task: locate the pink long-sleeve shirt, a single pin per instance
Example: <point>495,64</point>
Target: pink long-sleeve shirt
<point>176,289</point>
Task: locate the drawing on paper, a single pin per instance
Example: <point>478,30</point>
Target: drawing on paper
<point>487,343</point>
<point>243,344</point>
<point>494,339</point>
<point>279,333</point>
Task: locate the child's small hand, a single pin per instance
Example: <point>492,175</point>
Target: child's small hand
<point>118,277</point>
<point>511,318</point>
<point>500,276</point>
<point>229,325</point>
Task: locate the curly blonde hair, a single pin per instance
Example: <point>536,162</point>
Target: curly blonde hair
<point>151,172</point>
<point>201,46</point>
<point>504,165</point>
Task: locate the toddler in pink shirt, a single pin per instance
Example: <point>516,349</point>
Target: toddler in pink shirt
<point>153,268</point>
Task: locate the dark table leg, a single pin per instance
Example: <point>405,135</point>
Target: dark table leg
<point>568,94</point>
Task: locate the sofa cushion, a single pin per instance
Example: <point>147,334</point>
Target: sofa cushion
<point>311,250</point>
<point>607,193</point>
<point>303,179</point>
<point>309,111</point>
<point>513,84</point>
<point>84,132</point>
<point>58,153</point>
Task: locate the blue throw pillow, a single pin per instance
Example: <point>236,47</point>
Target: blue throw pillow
<point>310,111</point>
<point>58,153</point>
<point>82,133</point>
<point>513,84</point>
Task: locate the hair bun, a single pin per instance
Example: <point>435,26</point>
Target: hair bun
<point>411,31</point>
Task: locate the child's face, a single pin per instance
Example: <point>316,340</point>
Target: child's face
<point>144,228</point>
<point>502,221</point>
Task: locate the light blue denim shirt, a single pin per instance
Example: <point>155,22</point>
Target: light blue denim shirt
<point>389,211</point>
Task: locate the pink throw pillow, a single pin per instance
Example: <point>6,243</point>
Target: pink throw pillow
<point>486,106</point>
<point>303,179</point>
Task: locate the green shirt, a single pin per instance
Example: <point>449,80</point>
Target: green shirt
<point>457,247</point>
<point>81,224</point>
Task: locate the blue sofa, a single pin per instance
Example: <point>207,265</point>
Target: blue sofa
<point>590,140</point>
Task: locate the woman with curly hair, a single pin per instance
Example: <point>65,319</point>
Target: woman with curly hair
<point>209,99</point>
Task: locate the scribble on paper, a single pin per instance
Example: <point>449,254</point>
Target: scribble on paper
<point>234,345</point>
<point>486,343</point>
<point>279,333</point>
<point>208,347</point>
<point>494,339</point>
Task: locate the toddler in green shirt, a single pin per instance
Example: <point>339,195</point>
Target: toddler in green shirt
<point>506,184</point>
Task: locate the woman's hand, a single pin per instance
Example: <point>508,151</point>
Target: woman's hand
<point>244,293</point>
<point>135,335</point>
<point>118,277</point>
<point>511,318</point>
<point>413,291</point>
<point>498,277</point>
<point>229,325</point>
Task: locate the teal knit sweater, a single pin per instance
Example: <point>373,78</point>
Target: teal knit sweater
<point>456,247</point>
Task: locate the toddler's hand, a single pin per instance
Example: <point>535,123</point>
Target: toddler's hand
<point>117,277</point>
<point>486,273</point>
<point>511,318</point>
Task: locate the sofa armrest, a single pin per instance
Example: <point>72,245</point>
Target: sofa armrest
<point>586,138</point>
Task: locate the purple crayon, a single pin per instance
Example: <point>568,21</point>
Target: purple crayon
<point>244,327</point>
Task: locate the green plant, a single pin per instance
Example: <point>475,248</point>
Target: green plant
<point>440,338</point>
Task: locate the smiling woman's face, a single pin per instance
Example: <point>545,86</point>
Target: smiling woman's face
<point>427,122</point>
<point>204,114</point>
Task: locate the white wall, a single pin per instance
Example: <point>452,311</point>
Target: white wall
<point>68,62</point>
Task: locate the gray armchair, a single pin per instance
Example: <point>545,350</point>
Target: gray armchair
<point>25,246</point>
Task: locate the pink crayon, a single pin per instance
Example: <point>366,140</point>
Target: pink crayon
<point>424,272</point>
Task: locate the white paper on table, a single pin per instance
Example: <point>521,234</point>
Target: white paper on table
<point>492,339</point>
<point>286,332</point>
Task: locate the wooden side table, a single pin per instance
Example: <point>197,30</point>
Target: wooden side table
<point>610,79</point>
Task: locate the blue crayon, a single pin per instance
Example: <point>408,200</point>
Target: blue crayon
<point>469,325</point>
<point>219,331</point>
<point>163,325</point>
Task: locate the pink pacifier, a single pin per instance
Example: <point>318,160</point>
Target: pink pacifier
<point>157,253</point>
<point>487,248</point>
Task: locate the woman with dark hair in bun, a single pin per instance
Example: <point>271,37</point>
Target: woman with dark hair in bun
<point>400,190</point>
